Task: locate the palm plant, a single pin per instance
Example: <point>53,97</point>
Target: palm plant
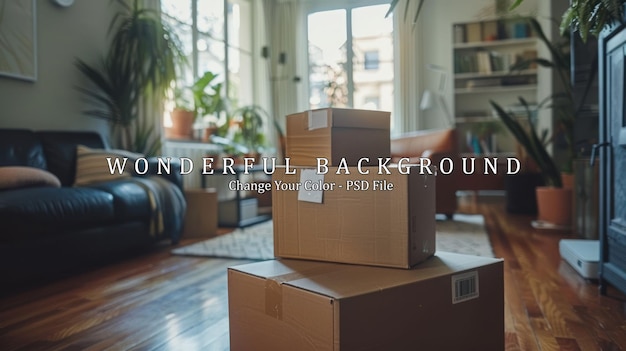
<point>134,76</point>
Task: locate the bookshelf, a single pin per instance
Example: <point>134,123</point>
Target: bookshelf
<point>483,54</point>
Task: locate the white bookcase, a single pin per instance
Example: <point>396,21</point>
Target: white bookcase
<point>483,54</point>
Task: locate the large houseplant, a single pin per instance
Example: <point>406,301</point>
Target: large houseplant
<point>564,106</point>
<point>133,78</point>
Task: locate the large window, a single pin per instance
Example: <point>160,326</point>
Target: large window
<point>217,37</point>
<point>351,58</point>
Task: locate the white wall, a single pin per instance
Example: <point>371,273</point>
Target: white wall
<point>52,102</point>
<point>435,43</point>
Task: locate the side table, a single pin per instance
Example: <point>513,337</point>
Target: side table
<point>201,215</point>
<point>242,211</point>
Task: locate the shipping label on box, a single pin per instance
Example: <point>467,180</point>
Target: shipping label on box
<point>373,219</point>
<point>449,302</point>
<point>335,134</point>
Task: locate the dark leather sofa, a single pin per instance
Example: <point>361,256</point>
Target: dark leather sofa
<point>49,230</point>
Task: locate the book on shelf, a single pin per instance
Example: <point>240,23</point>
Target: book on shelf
<point>490,31</point>
<point>481,145</point>
<point>484,82</point>
<point>459,34</point>
<point>474,32</point>
<point>482,61</point>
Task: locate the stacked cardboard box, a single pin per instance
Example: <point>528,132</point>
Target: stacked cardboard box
<point>365,216</point>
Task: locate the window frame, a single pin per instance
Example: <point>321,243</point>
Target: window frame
<point>196,34</point>
<point>348,5</point>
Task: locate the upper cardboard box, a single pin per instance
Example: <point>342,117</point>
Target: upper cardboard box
<point>373,219</point>
<point>335,134</point>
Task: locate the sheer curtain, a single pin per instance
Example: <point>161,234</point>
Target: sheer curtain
<point>408,67</point>
<point>283,22</point>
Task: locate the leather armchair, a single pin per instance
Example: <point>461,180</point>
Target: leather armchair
<point>434,145</point>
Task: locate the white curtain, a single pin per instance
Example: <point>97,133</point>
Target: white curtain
<point>408,67</point>
<point>282,28</point>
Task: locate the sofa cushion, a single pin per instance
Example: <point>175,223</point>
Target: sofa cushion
<point>60,150</point>
<point>15,177</point>
<point>46,211</point>
<point>130,199</point>
<point>92,165</point>
<point>21,147</point>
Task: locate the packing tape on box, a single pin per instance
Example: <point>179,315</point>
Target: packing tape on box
<point>274,287</point>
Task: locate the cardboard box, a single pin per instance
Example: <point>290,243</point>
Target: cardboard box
<point>201,214</point>
<point>391,228</point>
<point>334,133</point>
<point>450,302</point>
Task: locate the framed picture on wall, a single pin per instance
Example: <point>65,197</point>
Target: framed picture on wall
<point>18,39</point>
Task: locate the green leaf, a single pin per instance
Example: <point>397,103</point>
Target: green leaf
<point>515,5</point>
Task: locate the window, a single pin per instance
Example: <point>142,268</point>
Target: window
<point>351,58</point>
<point>370,60</point>
<point>216,36</point>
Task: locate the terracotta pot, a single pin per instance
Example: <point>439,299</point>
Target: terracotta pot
<point>554,205</point>
<point>182,123</point>
<point>568,180</point>
<point>207,133</point>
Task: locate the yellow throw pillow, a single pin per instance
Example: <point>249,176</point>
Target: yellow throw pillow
<point>92,165</point>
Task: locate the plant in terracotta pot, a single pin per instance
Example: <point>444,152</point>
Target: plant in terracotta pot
<point>250,134</point>
<point>202,100</point>
<point>183,115</point>
<point>553,197</point>
<point>553,200</point>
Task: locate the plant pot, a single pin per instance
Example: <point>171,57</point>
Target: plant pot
<point>568,180</point>
<point>208,132</point>
<point>182,123</point>
<point>554,205</point>
<point>520,192</point>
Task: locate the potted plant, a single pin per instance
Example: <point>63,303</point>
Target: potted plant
<point>203,99</point>
<point>183,115</point>
<point>554,201</point>
<point>250,124</point>
<point>135,75</point>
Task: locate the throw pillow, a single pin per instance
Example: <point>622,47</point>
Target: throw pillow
<point>92,165</point>
<point>15,177</point>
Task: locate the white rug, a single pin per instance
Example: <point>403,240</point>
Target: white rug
<point>464,234</point>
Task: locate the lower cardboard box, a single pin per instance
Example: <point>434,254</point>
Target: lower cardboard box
<point>449,302</point>
<point>372,219</point>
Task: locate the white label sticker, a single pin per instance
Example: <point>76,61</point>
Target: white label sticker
<point>318,119</point>
<point>311,186</point>
<point>465,287</point>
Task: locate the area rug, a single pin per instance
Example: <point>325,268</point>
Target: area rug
<point>463,234</point>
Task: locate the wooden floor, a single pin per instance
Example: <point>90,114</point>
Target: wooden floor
<point>163,302</point>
